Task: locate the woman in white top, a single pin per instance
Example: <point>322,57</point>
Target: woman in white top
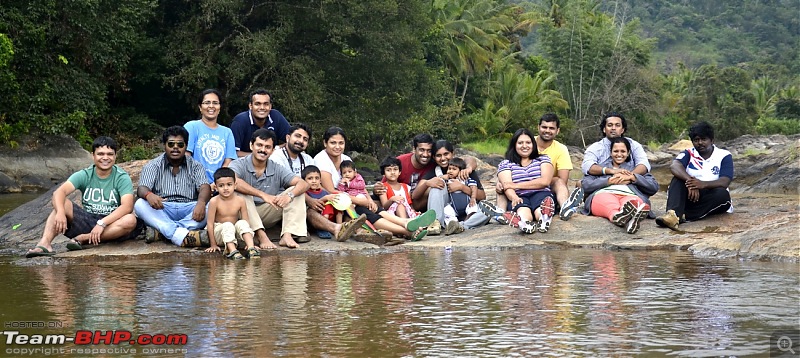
<point>329,160</point>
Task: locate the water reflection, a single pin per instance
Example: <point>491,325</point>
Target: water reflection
<point>449,303</point>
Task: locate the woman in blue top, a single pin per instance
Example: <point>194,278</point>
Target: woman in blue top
<point>210,143</point>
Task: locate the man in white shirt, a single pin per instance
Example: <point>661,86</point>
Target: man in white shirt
<point>293,155</point>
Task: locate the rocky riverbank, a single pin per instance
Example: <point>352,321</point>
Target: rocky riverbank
<point>39,163</point>
<point>763,227</point>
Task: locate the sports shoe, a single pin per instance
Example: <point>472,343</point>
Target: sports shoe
<point>196,238</point>
<point>624,215</point>
<point>548,209</point>
<point>152,235</point>
<point>453,227</point>
<point>641,212</point>
<point>490,210</point>
<point>527,227</point>
<point>571,205</point>
<point>510,218</point>
<point>192,239</point>
<point>435,228</point>
<point>669,219</point>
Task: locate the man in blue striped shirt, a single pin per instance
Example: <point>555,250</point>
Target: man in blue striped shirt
<point>173,191</point>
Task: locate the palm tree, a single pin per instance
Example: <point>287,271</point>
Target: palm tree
<point>516,98</point>
<point>766,94</point>
<point>475,31</point>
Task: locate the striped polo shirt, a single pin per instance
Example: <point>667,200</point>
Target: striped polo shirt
<point>520,174</point>
<point>183,187</point>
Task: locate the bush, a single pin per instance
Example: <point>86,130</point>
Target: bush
<point>771,125</point>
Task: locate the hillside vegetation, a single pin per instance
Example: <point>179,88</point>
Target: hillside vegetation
<point>463,70</point>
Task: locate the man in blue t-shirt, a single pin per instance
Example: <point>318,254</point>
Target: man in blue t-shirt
<point>259,115</point>
<point>701,177</point>
<point>106,210</point>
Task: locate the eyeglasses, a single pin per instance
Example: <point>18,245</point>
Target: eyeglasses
<point>209,103</point>
<point>173,144</point>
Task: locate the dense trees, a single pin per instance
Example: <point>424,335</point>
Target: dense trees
<point>387,69</point>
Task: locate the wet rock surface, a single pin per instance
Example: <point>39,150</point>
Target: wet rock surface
<point>764,226</point>
<point>39,163</point>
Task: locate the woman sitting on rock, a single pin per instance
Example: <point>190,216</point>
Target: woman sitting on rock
<point>622,198</point>
<point>525,176</point>
<point>443,190</point>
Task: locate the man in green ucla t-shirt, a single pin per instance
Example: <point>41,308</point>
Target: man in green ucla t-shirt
<point>106,211</point>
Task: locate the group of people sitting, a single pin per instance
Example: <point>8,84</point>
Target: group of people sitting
<point>216,186</point>
<point>617,184</point>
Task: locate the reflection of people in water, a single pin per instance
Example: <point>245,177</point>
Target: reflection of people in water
<point>83,297</point>
<point>57,295</point>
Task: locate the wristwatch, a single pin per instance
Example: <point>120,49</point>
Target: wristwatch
<point>290,195</point>
<point>101,224</point>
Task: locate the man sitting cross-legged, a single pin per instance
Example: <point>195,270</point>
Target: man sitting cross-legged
<point>173,192</point>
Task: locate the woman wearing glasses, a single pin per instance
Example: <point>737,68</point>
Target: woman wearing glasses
<point>210,143</point>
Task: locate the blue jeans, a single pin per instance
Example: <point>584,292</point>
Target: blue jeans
<point>174,221</point>
<point>438,198</point>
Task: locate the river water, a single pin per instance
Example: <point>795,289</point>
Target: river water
<point>451,303</point>
<point>10,202</point>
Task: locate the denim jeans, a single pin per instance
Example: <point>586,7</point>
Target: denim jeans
<point>173,221</point>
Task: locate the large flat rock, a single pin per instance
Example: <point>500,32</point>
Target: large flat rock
<point>764,227</point>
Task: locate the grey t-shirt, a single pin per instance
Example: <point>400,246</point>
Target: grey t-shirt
<point>275,179</point>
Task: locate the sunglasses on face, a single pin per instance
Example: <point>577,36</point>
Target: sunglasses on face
<point>173,144</point>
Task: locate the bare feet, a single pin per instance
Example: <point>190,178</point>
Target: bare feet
<point>263,241</point>
<point>266,245</point>
<point>288,241</point>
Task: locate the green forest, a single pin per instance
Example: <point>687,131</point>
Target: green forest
<point>385,70</point>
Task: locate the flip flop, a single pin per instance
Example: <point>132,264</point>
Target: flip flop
<point>44,252</point>
<point>419,235</point>
<point>73,245</point>
<point>423,220</point>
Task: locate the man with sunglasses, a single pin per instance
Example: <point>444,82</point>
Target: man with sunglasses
<point>259,115</point>
<point>173,192</point>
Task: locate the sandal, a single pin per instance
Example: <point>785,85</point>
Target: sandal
<point>253,253</point>
<point>349,228</point>
<point>235,255</point>
<point>73,245</point>
<point>419,235</point>
<point>421,221</point>
<point>44,252</point>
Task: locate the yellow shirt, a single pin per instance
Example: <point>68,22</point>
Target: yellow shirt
<point>559,156</point>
